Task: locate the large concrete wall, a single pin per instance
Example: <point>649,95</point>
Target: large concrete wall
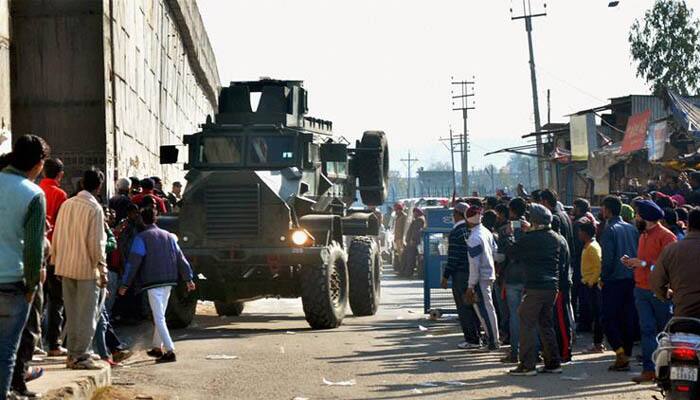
<point>107,82</point>
<point>165,81</point>
<point>57,74</point>
<point>5,120</point>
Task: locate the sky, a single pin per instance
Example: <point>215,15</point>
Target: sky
<point>387,64</point>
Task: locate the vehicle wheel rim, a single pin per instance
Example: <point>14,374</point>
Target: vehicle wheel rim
<point>335,283</point>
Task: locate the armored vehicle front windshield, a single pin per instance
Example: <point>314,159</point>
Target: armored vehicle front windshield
<point>271,151</point>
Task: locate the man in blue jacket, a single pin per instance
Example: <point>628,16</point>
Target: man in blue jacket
<point>618,239</point>
<point>23,215</point>
<point>457,269</point>
<point>156,264</point>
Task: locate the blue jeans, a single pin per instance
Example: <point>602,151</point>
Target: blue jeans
<point>112,288</point>
<point>13,315</point>
<point>618,313</point>
<point>99,342</point>
<point>653,316</point>
<point>514,296</point>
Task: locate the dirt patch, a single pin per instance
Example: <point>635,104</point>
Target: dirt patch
<point>123,393</point>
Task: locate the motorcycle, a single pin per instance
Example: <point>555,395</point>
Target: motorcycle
<point>677,359</point>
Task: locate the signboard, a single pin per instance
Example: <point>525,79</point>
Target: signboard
<point>636,132</point>
<point>583,136</point>
<point>658,137</point>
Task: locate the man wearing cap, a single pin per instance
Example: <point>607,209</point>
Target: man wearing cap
<point>413,238</point>
<point>653,312</point>
<point>540,250</point>
<point>399,229</point>
<point>481,248</point>
<point>457,269</point>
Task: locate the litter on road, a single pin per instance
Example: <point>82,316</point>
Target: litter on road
<point>221,357</point>
<point>581,377</point>
<point>422,328</point>
<point>351,382</point>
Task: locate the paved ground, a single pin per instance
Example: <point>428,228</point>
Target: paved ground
<point>386,356</point>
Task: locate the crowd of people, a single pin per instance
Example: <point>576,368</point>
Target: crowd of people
<point>64,261</point>
<point>528,272</point>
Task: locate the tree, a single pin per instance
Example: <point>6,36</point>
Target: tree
<point>666,47</point>
<point>440,166</point>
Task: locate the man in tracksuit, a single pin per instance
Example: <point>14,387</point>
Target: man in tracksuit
<point>481,247</point>
<point>457,269</point>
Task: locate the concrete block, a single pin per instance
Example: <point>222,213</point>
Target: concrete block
<point>59,383</point>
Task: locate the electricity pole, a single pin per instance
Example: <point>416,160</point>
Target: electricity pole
<point>409,160</point>
<point>463,98</point>
<point>528,16</point>
<point>452,157</point>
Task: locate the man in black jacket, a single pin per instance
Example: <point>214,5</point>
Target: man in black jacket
<point>563,311</point>
<point>457,269</point>
<point>540,250</point>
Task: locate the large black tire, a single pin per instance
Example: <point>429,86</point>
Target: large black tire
<point>182,306</point>
<point>229,309</point>
<point>373,168</point>
<point>325,290</point>
<point>364,269</point>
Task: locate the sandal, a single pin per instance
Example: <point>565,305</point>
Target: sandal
<point>33,373</point>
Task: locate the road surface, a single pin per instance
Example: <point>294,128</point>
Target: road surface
<point>386,356</point>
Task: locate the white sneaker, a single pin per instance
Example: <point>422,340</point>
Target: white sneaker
<point>468,346</point>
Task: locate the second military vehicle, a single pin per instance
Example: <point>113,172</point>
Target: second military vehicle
<point>266,209</point>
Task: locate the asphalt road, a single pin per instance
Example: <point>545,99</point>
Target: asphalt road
<point>386,356</point>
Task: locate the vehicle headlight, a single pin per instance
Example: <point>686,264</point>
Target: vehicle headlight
<point>300,237</point>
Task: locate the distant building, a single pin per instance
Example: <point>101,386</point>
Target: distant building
<point>436,183</point>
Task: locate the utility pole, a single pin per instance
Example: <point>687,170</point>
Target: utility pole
<point>549,106</point>
<point>463,98</point>
<point>528,16</point>
<point>452,158</point>
<point>409,160</point>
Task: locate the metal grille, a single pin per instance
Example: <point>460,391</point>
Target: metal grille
<point>233,211</point>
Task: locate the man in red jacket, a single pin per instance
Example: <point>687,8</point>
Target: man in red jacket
<point>53,292</point>
<point>148,189</point>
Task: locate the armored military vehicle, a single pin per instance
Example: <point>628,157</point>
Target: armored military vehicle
<point>266,209</point>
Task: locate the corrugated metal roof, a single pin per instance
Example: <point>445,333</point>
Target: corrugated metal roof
<point>655,104</point>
